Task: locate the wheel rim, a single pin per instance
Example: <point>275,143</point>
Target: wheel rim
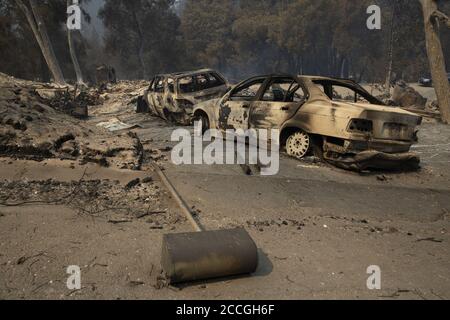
<point>298,145</point>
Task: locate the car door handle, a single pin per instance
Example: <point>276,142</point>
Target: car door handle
<point>285,108</point>
<point>245,106</point>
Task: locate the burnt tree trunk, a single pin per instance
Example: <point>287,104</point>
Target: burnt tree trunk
<point>51,60</point>
<point>391,52</point>
<point>432,16</point>
<point>140,49</point>
<point>73,54</point>
<point>36,26</point>
<point>344,68</point>
<point>301,66</point>
<point>362,74</point>
<point>40,33</point>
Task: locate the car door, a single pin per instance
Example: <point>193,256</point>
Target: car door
<point>169,104</point>
<point>235,107</point>
<point>151,97</point>
<point>281,99</point>
<point>158,96</point>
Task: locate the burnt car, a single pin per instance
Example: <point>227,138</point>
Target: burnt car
<point>338,119</point>
<point>427,81</point>
<point>173,96</point>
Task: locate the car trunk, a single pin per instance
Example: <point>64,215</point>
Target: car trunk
<point>389,123</point>
<point>393,125</point>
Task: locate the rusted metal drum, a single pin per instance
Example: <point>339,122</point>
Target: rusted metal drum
<point>204,255</point>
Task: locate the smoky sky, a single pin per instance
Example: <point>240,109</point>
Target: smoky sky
<point>92,7</point>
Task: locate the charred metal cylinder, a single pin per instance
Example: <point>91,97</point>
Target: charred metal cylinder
<point>204,255</point>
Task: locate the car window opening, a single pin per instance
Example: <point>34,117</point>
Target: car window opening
<point>284,90</point>
<point>200,82</point>
<point>341,92</point>
<point>247,91</point>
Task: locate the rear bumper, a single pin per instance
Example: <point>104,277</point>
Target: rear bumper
<point>356,146</point>
<point>387,146</point>
<point>374,160</point>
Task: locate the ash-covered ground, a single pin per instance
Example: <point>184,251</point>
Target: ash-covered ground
<point>74,193</point>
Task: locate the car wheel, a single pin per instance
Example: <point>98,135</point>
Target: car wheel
<point>142,106</point>
<point>298,144</point>
<point>169,116</point>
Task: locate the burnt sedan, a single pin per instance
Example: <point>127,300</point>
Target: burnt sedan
<point>427,81</point>
<point>336,118</point>
<point>173,96</point>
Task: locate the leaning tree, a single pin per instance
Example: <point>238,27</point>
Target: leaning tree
<point>433,19</point>
<point>37,25</point>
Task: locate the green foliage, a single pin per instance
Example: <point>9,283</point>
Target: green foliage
<point>19,51</point>
<point>207,37</point>
<point>238,37</point>
<point>305,36</point>
<point>138,27</point>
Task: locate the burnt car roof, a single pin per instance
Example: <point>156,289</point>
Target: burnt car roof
<point>178,75</point>
<point>327,78</point>
<point>309,77</point>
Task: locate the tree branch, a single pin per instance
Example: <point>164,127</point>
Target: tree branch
<point>442,17</point>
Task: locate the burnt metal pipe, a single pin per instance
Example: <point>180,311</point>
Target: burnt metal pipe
<point>202,255</point>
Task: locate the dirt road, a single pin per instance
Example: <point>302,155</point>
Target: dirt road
<point>317,228</point>
<point>320,227</point>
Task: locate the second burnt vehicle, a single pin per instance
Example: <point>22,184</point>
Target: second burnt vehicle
<point>427,81</point>
<point>338,119</point>
<point>173,96</point>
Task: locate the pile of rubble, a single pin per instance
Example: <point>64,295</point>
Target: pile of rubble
<point>33,125</point>
<point>75,102</point>
<point>114,97</point>
<point>433,106</point>
<point>407,97</point>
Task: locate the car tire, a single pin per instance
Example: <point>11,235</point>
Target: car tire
<point>317,146</point>
<point>169,116</point>
<point>299,144</point>
<point>142,105</point>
